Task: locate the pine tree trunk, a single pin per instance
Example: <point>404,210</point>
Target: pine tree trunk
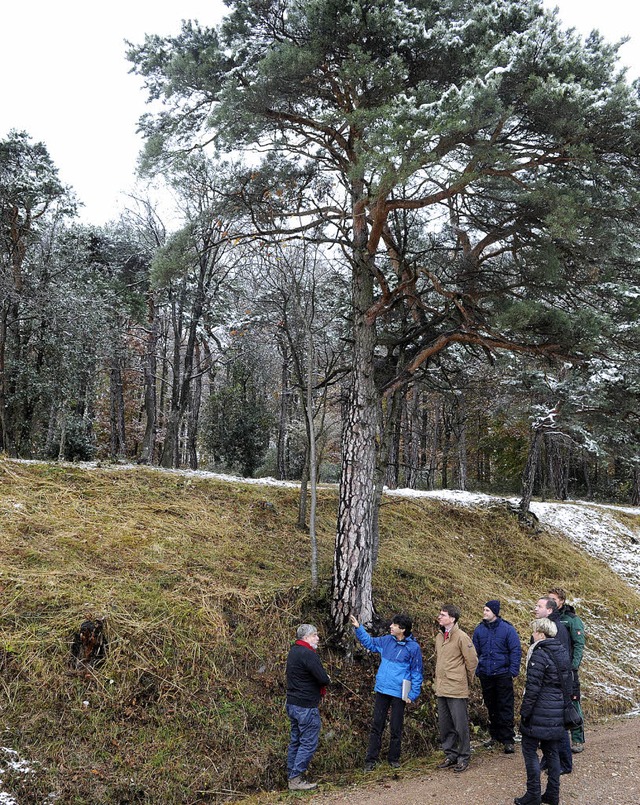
<point>462,442</point>
<point>446,448</point>
<point>117,440</point>
<point>194,419</point>
<point>352,570</point>
<point>635,487</point>
<point>313,470</point>
<point>393,421</point>
<point>433,446</point>
<point>388,429</point>
<point>412,438</point>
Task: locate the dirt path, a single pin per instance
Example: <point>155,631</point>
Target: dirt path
<point>608,771</point>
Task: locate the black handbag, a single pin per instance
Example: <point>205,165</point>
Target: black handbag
<point>572,718</point>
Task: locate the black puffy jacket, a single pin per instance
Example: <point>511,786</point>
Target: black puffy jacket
<point>542,708</point>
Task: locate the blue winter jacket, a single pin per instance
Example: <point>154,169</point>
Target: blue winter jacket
<point>498,647</point>
<point>400,659</point>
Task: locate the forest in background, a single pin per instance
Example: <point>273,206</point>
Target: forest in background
<point>192,349</point>
<point>408,256</point>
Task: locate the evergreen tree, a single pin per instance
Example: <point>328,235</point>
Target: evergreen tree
<point>505,137</point>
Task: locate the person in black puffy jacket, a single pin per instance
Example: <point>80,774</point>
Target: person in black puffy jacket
<point>542,711</point>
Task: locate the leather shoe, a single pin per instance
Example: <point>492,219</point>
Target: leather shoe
<point>447,763</point>
<point>509,748</point>
<point>461,765</point>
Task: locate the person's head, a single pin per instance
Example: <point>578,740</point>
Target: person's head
<point>544,607</point>
<point>308,633</point>
<point>401,626</point>
<point>491,610</point>
<point>542,628</point>
<point>449,614</point>
<point>559,595</point>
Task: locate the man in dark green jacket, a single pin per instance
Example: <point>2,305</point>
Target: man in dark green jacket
<point>576,630</point>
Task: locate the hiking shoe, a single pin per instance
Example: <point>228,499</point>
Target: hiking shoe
<point>509,749</point>
<point>369,765</point>
<point>577,748</point>
<point>447,763</point>
<point>461,765</point>
<point>300,784</point>
<point>395,764</point>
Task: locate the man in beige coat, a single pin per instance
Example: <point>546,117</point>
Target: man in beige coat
<point>456,661</point>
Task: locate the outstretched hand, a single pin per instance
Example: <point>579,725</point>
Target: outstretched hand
<point>354,621</point>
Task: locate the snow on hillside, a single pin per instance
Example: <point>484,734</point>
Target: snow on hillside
<point>10,760</point>
<point>591,526</point>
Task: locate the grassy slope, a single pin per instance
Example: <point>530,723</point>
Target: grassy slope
<point>202,583</point>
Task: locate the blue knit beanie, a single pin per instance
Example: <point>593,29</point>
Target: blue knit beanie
<point>494,606</point>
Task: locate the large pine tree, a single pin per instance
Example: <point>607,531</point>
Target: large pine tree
<point>506,140</point>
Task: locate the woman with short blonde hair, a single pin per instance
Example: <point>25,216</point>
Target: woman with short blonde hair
<point>542,712</point>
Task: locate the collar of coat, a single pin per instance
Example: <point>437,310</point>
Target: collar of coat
<point>304,644</point>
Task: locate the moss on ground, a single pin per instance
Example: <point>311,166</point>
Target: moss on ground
<point>202,583</point>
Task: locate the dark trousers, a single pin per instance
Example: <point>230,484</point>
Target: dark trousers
<point>380,709</point>
<point>453,723</point>
<point>532,764</point>
<point>564,755</point>
<point>577,735</point>
<point>497,692</point>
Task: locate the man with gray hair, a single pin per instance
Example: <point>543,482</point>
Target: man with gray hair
<point>306,684</point>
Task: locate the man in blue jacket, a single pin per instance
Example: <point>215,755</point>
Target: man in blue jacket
<point>499,651</point>
<point>398,681</point>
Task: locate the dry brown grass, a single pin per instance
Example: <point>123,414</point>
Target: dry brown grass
<point>202,585</point>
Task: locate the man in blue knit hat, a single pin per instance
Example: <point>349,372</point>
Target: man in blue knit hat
<point>499,651</point>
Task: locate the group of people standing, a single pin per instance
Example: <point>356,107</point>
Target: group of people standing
<point>493,654</point>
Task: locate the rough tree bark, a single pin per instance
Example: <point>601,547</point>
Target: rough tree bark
<point>352,570</point>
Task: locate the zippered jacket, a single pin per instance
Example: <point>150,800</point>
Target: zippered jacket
<point>400,659</point>
<point>306,676</point>
<point>498,647</point>
<point>456,661</point>
<point>542,709</point>
<point>576,630</point>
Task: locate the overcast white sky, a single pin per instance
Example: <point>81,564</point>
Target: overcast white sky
<point>65,79</point>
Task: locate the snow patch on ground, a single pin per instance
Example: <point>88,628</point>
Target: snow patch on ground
<point>591,526</point>
<point>11,761</point>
